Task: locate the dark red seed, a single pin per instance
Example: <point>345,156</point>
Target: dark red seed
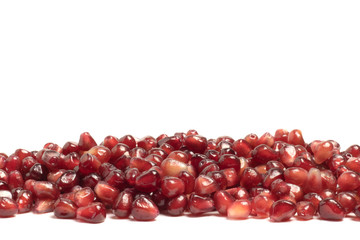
<point>70,147</point>
<point>8,207</point>
<point>205,185</point>
<point>12,163</point>
<point>281,135</point>
<point>295,137</point>
<point>172,187</point>
<point>148,181</point>
<point>123,204</point>
<point>110,142</point>
<point>116,178</point>
<point>24,201</point>
<point>106,193</point>
<point>15,179</point>
<point>64,208</point>
<point>93,213</point>
<point>147,143</point>
<point>144,209</point>
<point>189,181</point>
<point>200,204</point>
<point>43,205</point>
<point>239,209</point>
<point>330,209</point>
<point>196,143</point>
<point>229,161</point>
<point>128,140</point>
<point>45,189</point>
<point>347,201</point>
<point>348,181</point>
<point>84,197</point>
<point>222,200</point>
<point>86,141</point>
<point>250,178</point>
<point>88,164</point>
<point>282,210</point>
<point>90,180</point>
<point>68,180</point>
<point>263,153</point>
<point>177,205</point>
<point>219,178</point>
<point>305,210</point>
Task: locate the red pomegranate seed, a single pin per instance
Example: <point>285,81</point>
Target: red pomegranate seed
<point>296,175</point>
<point>196,143</point>
<point>156,159</point>
<point>147,143</point>
<point>172,187</point>
<point>90,180</point>
<point>12,163</point>
<point>177,205</point>
<point>144,209</point>
<point>250,178</point>
<point>282,211</point>
<point>274,164</point>
<point>263,153</point>
<point>242,148</point>
<point>305,210</point>
<point>68,180</point>
<point>106,193</point>
<point>45,189</point>
<point>139,152</point>
<point>116,178</point>
<point>354,150</point>
<point>222,200</point>
<point>3,158</point>
<point>128,140</point>
<point>130,175</point>
<point>43,205</point>
<point>266,139</point>
<point>323,152</point>
<point>304,163</point>
<point>271,176</point>
<point>232,177</point>
<point>189,181</point>
<point>141,164</point>
<point>102,153</point>
<point>314,181</point>
<point>288,155</point>
<point>229,161</point>
<point>328,179</point>
<point>86,142</point>
<point>261,205</point>
<point>8,207</point>
<point>4,176</point>
<point>205,185</point>
<point>93,213</point>
<point>252,139</point>
<point>353,164</point>
<point>173,167</point>
<point>88,164</point>
<point>295,137</point>
<point>24,201</point>
<point>280,188</point>
<point>15,179</point>
<point>123,204</point>
<point>327,193</point>
<point>148,181</point>
<point>64,208</point>
<point>54,176</point>
<point>200,204</point>
<point>314,198</point>
<point>239,209</point>
<point>219,178</point>
<point>238,193</point>
<point>281,135</point>
<point>348,181</point>
<point>347,201</point>
<point>4,186</point>
<point>110,142</point>
<point>330,209</point>
<point>84,197</point>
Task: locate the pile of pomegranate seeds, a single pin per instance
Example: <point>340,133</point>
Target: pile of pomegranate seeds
<point>276,177</point>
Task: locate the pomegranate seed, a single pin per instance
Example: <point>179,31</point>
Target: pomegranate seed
<point>327,193</point>
<point>70,147</point>
<point>271,176</point>
<point>45,189</point>
<point>139,152</point>
<point>250,178</point>
<point>64,208</point>
<point>262,204</point>
<point>196,143</point>
<point>189,181</point>
<point>12,163</point>
<point>314,198</point>
<point>288,155</point>
<point>314,181</point>
<point>130,175</point>
<point>26,164</point>
<point>263,153</point>
<point>43,205</point>
<point>353,164</point>
<point>38,172</point>
<point>323,152</point>
<point>144,209</point>
<point>274,164</point>
<point>177,205</point>
<point>296,175</point>
<point>347,201</point>
<point>282,211</point>
<point>84,197</point>
<point>172,187</point>
<point>15,179</point>
<point>354,150</point>
<point>86,142</point>
<point>266,139</point>
<point>90,180</point>
<point>239,209</point>
<point>148,181</point>
<point>219,178</point>
<point>205,185</point>
<point>281,135</point>
<point>179,156</point>
<point>102,153</point>
<point>141,164</point>
<point>222,200</point>
<point>156,159</point>
<point>348,181</point>
<point>305,210</point>
<point>106,193</point>
<point>280,188</point>
<point>295,137</point>
<point>173,167</point>
<point>232,177</point>
<point>93,213</point>
<point>68,180</point>
<point>4,176</point>
<point>330,209</point>
<point>238,193</point>
<point>147,143</point>
<point>252,139</point>
<point>116,178</point>
<point>123,204</point>
<point>24,201</point>
<point>110,142</point>
<point>229,161</point>
<point>128,140</point>
<point>8,207</point>
<point>200,204</point>
<point>88,164</point>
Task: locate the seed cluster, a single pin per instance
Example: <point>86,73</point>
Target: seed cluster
<point>276,177</point>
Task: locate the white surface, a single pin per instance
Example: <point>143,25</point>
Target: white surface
<point>148,67</point>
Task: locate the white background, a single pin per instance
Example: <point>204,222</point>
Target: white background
<point>151,67</point>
